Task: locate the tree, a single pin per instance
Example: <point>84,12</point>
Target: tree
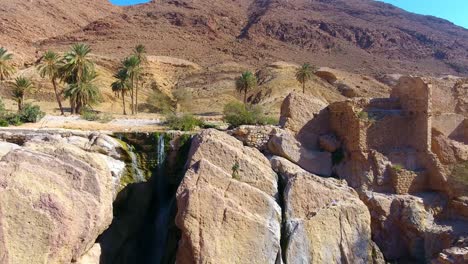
<point>121,86</point>
<point>6,66</point>
<point>140,52</point>
<point>21,86</point>
<point>246,82</point>
<point>77,67</point>
<point>304,74</point>
<point>83,93</point>
<point>133,69</point>
<point>49,67</point>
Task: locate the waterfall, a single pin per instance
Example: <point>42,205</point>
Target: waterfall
<point>161,151</point>
<point>136,172</point>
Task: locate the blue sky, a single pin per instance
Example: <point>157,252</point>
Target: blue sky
<point>128,2</point>
<point>455,11</point>
<point>452,10</point>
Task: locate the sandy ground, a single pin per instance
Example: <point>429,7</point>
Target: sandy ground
<point>119,124</point>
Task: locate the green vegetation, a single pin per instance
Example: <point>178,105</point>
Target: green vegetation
<point>365,116</point>
<point>235,171</point>
<point>91,115</point>
<point>78,71</point>
<point>237,114</point>
<point>49,67</point>
<point>338,156</point>
<point>160,102</point>
<point>128,76</point>
<point>397,167</point>
<point>304,74</point>
<point>246,82</point>
<point>184,122</point>
<point>29,114</point>
<point>121,86</point>
<point>6,66</point>
<point>21,87</point>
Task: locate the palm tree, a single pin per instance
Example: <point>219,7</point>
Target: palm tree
<point>133,69</point>
<point>140,52</point>
<point>50,66</point>
<point>246,82</point>
<point>21,86</point>
<point>304,74</point>
<point>6,67</point>
<point>120,86</point>
<point>83,93</point>
<point>77,66</point>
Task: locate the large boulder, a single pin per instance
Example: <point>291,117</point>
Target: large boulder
<point>283,144</point>
<point>325,220</point>
<point>298,111</point>
<point>227,209</point>
<point>55,197</point>
<point>406,226</point>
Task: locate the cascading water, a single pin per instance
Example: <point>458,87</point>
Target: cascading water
<point>136,172</point>
<point>143,229</point>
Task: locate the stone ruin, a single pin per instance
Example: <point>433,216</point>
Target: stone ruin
<point>387,141</point>
<point>412,176</point>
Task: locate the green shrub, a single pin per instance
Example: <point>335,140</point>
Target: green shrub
<point>89,115</point>
<point>14,119</point>
<point>397,167</point>
<point>2,108</point>
<point>237,114</point>
<point>160,102</point>
<point>4,122</point>
<point>31,114</point>
<point>185,122</point>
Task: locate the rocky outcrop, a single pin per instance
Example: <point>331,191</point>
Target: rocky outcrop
<point>324,218</point>
<point>305,116</point>
<point>406,226</point>
<point>227,204</point>
<point>54,195</point>
<point>283,144</point>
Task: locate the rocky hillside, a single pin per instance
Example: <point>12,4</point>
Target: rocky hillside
<point>24,24</point>
<point>358,35</point>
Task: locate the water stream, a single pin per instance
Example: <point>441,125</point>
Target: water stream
<point>136,171</point>
<point>143,229</point>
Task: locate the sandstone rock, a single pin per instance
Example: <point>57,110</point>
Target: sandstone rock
<point>6,147</point>
<point>56,197</point>
<point>92,256</point>
<point>329,143</point>
<point>405,226</point>
<point>298,109</point>
<point>104,144</point>
<point>326,76</point>
<point>228,214</point>
<point>347,91</point>
<point>283,144</point>
<point>458,254</point>
<point>225,151</point>
<point>325,220</point>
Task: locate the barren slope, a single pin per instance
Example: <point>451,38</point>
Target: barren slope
<point>356,35</point>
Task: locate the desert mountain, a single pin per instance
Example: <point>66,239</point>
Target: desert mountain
<point>355,35</point>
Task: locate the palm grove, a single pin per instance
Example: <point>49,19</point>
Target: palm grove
<point>76,73</point>
<point>73,77</point>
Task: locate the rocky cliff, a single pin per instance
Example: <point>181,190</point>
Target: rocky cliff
<point>356,181</point>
